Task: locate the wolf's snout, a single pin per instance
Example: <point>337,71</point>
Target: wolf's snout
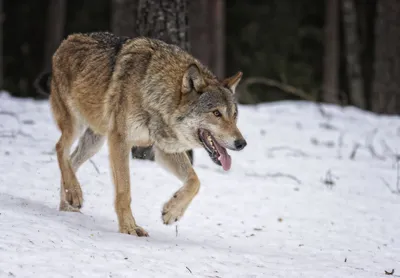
<point>240,144</point>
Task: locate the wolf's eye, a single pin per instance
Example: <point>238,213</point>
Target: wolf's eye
<point>217,113</point>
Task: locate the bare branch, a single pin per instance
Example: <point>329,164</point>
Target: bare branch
<point>273,83</point>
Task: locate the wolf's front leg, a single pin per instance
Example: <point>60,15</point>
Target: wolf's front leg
<point>119,161</point>
<point>179,164</point>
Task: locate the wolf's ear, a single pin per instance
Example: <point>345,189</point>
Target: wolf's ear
<point>233,81</point>
<point>192,79</point>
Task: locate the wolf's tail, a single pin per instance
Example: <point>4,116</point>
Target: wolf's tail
<point>42,83</point>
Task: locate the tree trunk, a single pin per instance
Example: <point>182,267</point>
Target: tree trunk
<point>55,29</point>
<point>366,11</point>
<point>1,46</point>
<point>207,32</point>
<point>166,20</point>
<point>386,83</point>
<point>331,55</point>
<point>124,17</point>
<point>353,54</point>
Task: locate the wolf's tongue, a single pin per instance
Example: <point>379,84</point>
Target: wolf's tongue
<point>224,157</point>
<point>225,160</point>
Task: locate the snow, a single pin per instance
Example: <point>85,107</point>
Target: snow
<point>294,204</point>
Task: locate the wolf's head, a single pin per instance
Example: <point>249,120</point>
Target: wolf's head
<point>208,114</point>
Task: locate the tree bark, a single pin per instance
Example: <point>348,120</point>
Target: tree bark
<point>366,18</point>
<point>55,29</point>
<point>1,46</point>
<point>166,20</point>
<point>207,32</point>
<point>353,54</point>
<point>386,83</point>
<point>124,17</point>
<point>331,55</point>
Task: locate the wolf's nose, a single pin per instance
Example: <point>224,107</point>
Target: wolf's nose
<point>240,144</point>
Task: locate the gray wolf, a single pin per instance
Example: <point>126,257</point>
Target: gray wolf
<point>137,92</point>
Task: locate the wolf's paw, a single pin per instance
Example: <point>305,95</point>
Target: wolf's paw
<point>173,210</point>
<point>134,230</point>
<point>73,199</point>
<point>65,206</point>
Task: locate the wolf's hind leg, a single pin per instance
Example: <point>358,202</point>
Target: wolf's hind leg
<point>70,192</point>
<point>179,164</point>
<point>89,144</point>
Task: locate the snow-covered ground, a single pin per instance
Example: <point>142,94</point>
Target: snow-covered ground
<point>310,196</point>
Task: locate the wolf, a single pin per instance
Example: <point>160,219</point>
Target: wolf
<point>137,92</point>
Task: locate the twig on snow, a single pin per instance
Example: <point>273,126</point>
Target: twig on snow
<point>324,114</point>
<point>295,152</point>
<point>354,151</point>
<point>389,150</point>
<point>328,181</point>
<point>386,147</point>
<point>397,187</point>
<point>327,126</point>
<point>387,185</point>
<point>328,144</point>
<point>389,273</point>
<point>189,270</point>
<point>340,144</point>
<point>23,134</point>
<point>12,114</point>
<point>398,177</point>
<point>14,134</point>
<point>370,144</point>
<point>396,192</point>
<point>275,175</point>
<point>94,166</point>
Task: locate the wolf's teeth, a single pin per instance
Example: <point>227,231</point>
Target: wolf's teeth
<point>211,142</point>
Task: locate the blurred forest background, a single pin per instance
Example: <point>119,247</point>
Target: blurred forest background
<point>338,51</point>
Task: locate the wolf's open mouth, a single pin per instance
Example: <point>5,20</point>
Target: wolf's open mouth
<point>217,153</point>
